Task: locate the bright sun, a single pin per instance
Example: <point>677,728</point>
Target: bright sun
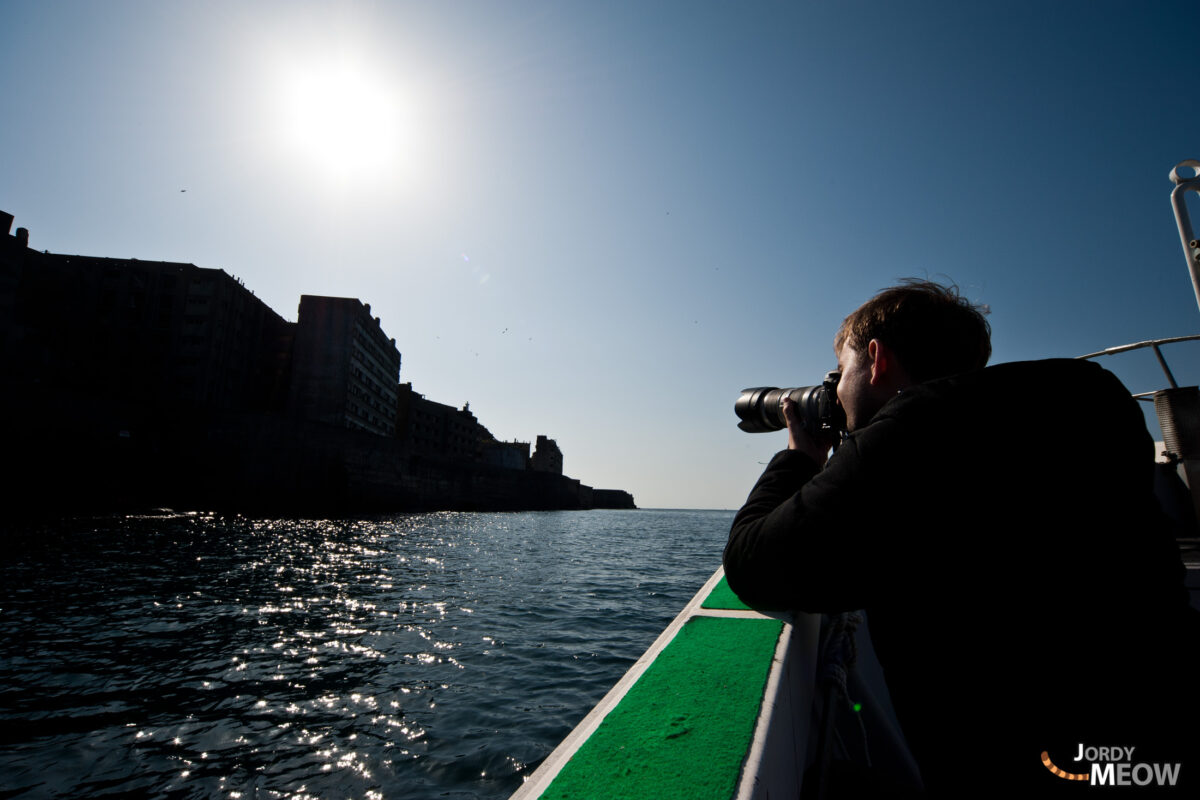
<point>340,119</point>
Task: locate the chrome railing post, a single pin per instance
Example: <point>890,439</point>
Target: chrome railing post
<point>1191,247</point>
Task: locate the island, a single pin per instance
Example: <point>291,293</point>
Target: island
<point>132,384</point>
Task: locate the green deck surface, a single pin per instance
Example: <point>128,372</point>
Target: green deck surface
<point>683,729</point>
<point>723,597</point>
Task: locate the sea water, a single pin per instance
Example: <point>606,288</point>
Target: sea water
<point>409,656</point>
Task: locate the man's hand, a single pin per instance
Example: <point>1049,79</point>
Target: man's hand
<point>802,440</point>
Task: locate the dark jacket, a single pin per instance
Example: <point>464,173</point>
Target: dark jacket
<point>1023,590</point>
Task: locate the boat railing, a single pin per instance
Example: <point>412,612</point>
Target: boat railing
<point>1153,344</point>
<point>1178,411</point>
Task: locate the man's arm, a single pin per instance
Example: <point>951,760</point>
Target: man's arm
<point>809,539</point>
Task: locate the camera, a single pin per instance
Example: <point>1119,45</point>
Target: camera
<point>761,409</point>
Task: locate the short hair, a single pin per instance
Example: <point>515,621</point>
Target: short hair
<point>934,331</point>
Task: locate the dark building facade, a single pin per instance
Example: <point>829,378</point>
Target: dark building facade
<point>344,367</point>
<point>432,428</point>
<point>112,367</point>
<point>546,456</point>
<point>509,455</point>
<point>144,335</point>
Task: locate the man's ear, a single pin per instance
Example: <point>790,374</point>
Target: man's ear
<point>886,369</point>
<point>880,357</point>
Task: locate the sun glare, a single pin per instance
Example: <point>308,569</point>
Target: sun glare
<point>340,118</point>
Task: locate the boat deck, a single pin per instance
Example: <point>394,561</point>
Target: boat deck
<point>718,707</point>
<point>682,720</point>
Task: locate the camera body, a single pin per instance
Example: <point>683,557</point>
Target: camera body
<point>760,409</point>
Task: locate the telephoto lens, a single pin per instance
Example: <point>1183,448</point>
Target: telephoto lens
<point>760,409</point>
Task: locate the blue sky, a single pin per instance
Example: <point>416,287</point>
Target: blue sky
<point>600,221</point>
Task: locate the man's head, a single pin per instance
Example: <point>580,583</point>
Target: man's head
<point>906,334</point>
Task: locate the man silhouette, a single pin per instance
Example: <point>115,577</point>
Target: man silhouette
<point>999,527</point>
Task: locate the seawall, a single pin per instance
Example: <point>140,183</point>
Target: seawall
<point>261,463</point>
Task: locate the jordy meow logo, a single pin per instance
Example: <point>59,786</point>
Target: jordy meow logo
<point>1114,766</point>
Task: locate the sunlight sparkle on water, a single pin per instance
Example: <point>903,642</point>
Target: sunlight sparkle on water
<point>277,621</point>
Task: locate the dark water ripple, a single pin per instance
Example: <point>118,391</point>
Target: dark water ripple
<point>434,655</point>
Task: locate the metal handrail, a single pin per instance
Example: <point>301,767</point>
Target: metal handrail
<point>1153,343</point>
